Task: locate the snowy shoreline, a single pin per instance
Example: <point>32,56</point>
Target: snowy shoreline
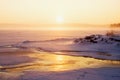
<point>96,46</point>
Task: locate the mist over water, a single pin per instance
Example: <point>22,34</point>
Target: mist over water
<point>10,36</point>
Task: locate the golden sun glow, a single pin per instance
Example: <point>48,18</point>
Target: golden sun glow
<point>59,19</point>
<point>59,28</point>
<point>33,13</point>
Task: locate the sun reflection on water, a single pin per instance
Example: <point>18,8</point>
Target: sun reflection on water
<point>54,62</point>
<point>60,58</point>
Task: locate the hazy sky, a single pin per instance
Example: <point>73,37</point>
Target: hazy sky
<point>59,11</point>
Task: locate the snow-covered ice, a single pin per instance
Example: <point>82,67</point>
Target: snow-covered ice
<point>97,46</point>
<point>48,66</point>
<point>94,57</point>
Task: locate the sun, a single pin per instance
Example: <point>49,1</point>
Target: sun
<point>59,19</point>
<point>59,22</point>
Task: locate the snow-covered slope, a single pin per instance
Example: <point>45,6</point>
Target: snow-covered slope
<point>102,43</point>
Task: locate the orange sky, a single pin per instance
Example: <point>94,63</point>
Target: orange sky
<point>59,12</point>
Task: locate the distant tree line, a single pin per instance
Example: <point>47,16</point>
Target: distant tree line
<point>114,29</point>
<point>115,25</point>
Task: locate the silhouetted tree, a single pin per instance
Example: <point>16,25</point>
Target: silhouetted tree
<point>114,29</point>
